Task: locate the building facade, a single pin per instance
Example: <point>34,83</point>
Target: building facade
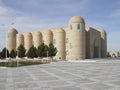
<point>113,54</point>
<point>73,42</point>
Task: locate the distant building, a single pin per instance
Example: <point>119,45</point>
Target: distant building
<point>73,42</point>
<point>114,54</point>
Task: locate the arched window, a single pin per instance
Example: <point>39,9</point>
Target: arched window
<point>71,27</point>
<point>78,26</point>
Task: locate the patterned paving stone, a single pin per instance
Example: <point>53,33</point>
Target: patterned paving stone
<point>57,83</point>
<point>2,86</point>
<point>67,88</point>
<point>80,80</point>
<point>47,78</point>
<point>116,82</point>
<point>22,79</point>
<point>33,89</point>
<point>25,85</point>
<point>99,75</point>
<point>98,86</point>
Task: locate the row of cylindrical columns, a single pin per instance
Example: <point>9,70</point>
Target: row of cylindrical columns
<point>47,37</point>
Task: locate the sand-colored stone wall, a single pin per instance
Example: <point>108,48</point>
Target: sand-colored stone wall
<point>103,43</point>
<point>73,42</point>
<point>11,39</point>
<point>47,36</point>
<point>59,42</point>
<point>37,38</point>
<point>19,40</point>
<point>28,41</point>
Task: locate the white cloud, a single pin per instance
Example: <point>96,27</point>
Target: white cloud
<point>3,10</point>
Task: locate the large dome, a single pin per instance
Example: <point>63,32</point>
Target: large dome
<point>12,30</point>
<point>76,19</point>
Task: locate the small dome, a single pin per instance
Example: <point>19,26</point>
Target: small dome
<point>76,19</point>
<point>12,30</point>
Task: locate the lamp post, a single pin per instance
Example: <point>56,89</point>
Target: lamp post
<point>3,25</point>
<point>17,59</point>
<point>47,54</point>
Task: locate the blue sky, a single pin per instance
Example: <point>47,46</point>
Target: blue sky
<point>29,15</point>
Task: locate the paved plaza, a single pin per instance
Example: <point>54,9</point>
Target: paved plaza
<point>90,75</point>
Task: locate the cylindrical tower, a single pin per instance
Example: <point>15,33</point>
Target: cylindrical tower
<point>47,37</point>
<point>28,42</point>
<point>59,42</point>
<point>103,43</point>
<point>11,39</point>
<point>20,40</point>
<point>76,38</point>
<point>37,39</point>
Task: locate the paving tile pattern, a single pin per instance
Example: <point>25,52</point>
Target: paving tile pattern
<point>99,75</point>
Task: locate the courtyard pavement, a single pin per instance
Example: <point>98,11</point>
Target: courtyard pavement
<point>90,75</point>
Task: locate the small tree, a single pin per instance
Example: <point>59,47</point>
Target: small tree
<point>45,51</point>
<point>39,51</point>
<point>3,53</point>
<point>0,55</point>
<point>31,52</point>
<point>42,50</point>
<point>52,50</point>
<point>12,54</point>
<point>35,52</point>
<point>21,51</point>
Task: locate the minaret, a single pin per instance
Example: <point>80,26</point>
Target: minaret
<point>11,39</point>
<point>76,39</point>
<point>103,43</point>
